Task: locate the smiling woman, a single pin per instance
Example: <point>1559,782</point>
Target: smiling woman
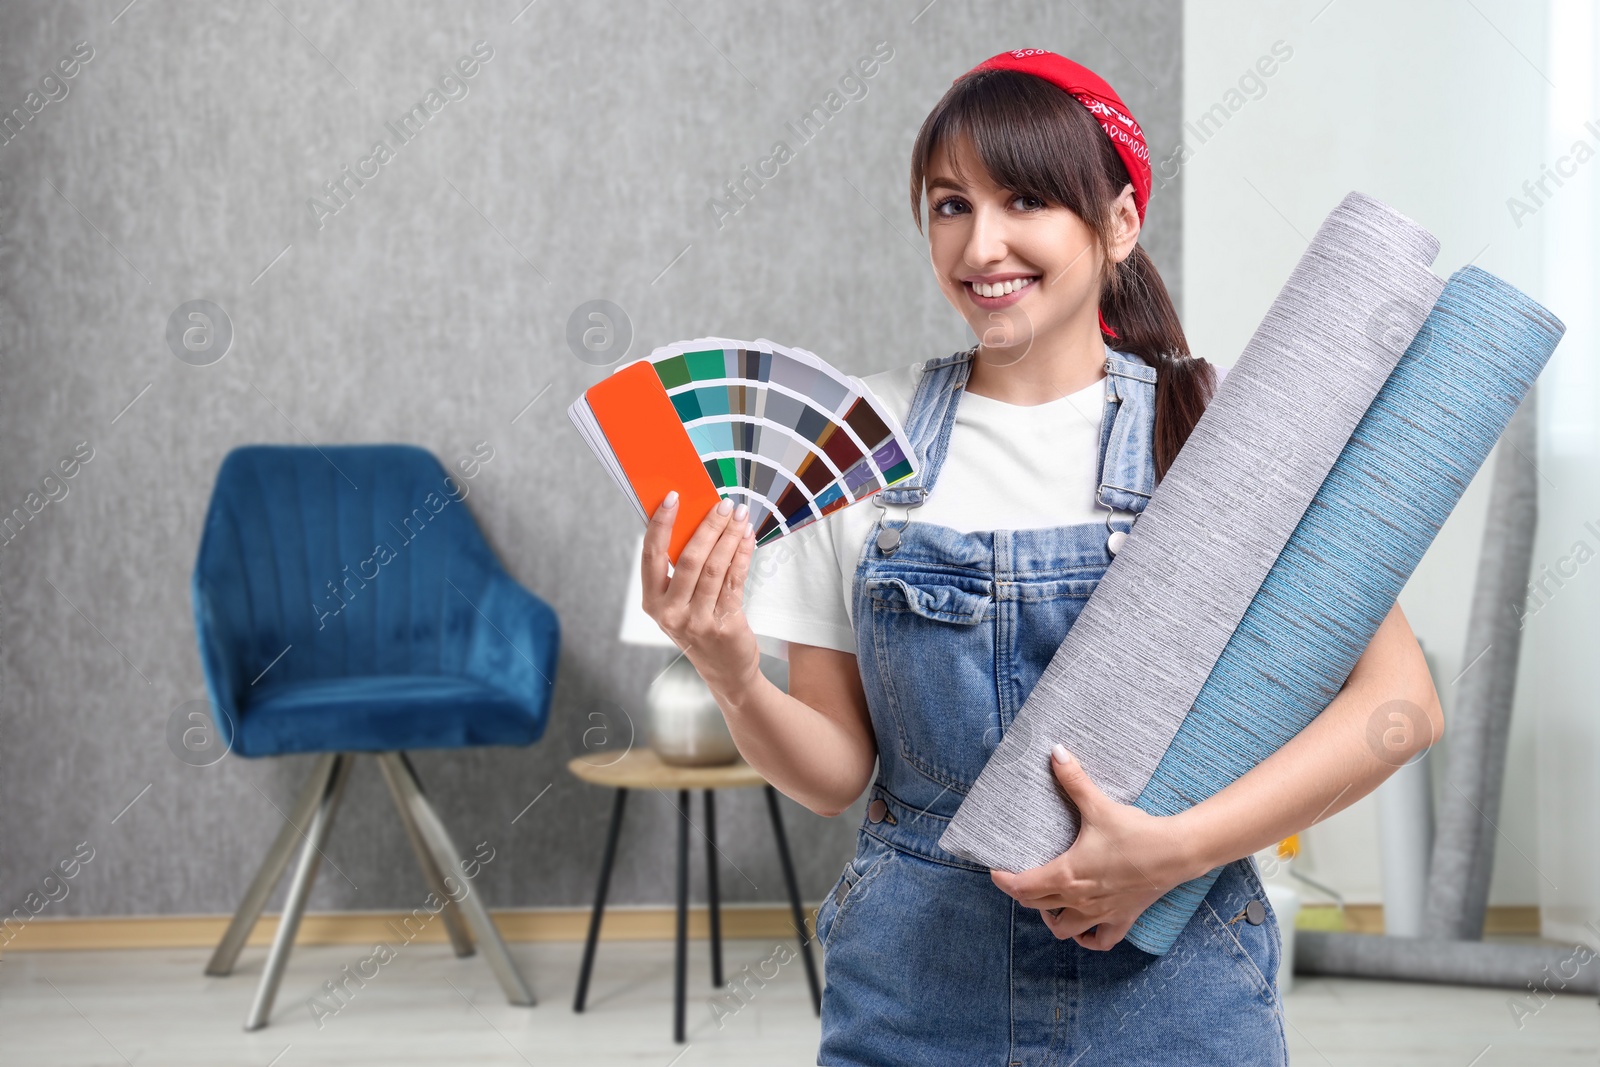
<point>990,160</point>
<point>916,630</point>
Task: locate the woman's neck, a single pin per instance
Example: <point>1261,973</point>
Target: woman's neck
<point>1037,373</point>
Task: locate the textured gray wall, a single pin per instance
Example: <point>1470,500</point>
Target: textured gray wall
<point>432,308</point>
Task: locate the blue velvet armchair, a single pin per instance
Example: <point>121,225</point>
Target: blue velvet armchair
<point>345,601</point>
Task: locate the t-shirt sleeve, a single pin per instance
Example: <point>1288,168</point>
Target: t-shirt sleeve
<point>794,592</point>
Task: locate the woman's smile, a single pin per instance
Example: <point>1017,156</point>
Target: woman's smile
<point>991,291</point>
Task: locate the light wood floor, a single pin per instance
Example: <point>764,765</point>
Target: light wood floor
<point>155,1006</point>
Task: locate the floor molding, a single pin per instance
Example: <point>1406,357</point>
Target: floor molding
<point>622,923</point>
<point>1501,920</point>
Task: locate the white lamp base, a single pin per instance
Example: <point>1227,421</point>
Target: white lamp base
<point>686,725</point>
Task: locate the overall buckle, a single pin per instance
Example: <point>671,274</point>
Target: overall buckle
<point>889,536</point>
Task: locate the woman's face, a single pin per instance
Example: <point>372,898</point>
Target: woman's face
<point>1019,271</point>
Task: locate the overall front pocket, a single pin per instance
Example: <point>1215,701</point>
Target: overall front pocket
<point>1255,949</point>
<point>871,855</point>
<point>933,646</point>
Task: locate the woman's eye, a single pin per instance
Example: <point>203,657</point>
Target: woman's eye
<point>1029,203</point>
<point>953,202</point>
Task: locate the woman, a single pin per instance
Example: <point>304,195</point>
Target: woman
<point>916,629</point>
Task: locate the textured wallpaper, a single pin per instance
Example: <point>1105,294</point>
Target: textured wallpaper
<point>303,222</point>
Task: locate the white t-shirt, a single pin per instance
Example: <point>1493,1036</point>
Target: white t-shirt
<point>1007,467</point>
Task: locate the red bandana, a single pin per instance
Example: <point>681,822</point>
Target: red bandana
<point>1094,93</point>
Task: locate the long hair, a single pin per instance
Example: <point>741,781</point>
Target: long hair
<point>1036,140</point>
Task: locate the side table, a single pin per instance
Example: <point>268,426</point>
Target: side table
<point>641,768</point>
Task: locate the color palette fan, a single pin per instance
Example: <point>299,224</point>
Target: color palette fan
<point>771,426</point>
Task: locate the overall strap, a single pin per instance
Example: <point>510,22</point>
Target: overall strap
<point>1127,462</point>
<point>933,412</point>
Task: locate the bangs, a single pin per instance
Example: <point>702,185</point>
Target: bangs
<point>1032,138</point>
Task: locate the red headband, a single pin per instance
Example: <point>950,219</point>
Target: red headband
<point>1094,93</point>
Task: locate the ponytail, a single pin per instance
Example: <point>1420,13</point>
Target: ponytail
<point>1135,304</point>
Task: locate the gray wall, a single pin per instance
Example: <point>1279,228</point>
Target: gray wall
<point>432,308</point>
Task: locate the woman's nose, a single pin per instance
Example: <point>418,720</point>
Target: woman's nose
<point>986,240</point>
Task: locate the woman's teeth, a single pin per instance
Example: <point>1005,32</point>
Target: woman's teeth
<point>1002,288</point>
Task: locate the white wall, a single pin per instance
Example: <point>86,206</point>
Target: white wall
<point>1441,110</point>
<point>1563,686</point>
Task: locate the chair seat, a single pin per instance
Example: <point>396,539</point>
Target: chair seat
<point>380,713</point>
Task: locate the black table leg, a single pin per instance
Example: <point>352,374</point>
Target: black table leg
<point>609,855</point>
<point>711,891</point>
<point>683,917</point>
<point>794,898</point>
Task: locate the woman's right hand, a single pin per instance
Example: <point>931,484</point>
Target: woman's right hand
<point>701,605</point>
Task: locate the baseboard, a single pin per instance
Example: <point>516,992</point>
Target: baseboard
<point>1501,920</point>
<point>622,923</point>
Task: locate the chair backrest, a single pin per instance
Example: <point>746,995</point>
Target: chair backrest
<point>346,555</point>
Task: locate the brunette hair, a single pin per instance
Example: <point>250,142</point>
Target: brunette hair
<point>1036,140</point>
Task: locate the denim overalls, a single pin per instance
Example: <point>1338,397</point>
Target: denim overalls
<point>927,962</point>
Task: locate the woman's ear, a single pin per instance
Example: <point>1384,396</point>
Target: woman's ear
<point>1125,214</point>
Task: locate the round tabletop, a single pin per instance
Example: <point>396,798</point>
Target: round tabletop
<point>641,768</point>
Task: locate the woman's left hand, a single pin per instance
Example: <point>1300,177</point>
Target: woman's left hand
<point>1122,861</point>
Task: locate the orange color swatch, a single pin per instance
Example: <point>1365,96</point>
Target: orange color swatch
<point>646,436</point>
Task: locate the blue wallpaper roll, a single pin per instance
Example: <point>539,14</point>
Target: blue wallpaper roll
<point>1411,457</point>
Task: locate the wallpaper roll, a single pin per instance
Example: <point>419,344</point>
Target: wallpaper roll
<point>1536,971</point>
<point>1412,456</point>
<point>1130,668</point>
<point>1462,862</point>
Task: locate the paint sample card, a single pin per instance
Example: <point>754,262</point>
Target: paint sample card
<point>769,426</point>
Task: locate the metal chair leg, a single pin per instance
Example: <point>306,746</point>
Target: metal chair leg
<point>403,778</point>
<point>606,860</point>
<point>794,897</point>
<point>455,926</point>
<point>714,905</point>
<point>271,870</point>
<point>294,905</point>
<point>680,972</point>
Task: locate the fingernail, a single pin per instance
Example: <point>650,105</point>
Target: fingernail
<point>749,529</point>
<point>741,511</point>
<point>1061,754</point>
<point>671,501</point>
<point>724,506</point>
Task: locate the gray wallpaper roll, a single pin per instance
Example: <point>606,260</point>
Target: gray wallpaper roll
<point>1127,673</point>
<point>1539,969</point>
<point>1475,756</point>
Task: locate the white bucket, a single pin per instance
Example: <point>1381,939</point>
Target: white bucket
<point>1285,901</point>
<point>1284,897</point>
